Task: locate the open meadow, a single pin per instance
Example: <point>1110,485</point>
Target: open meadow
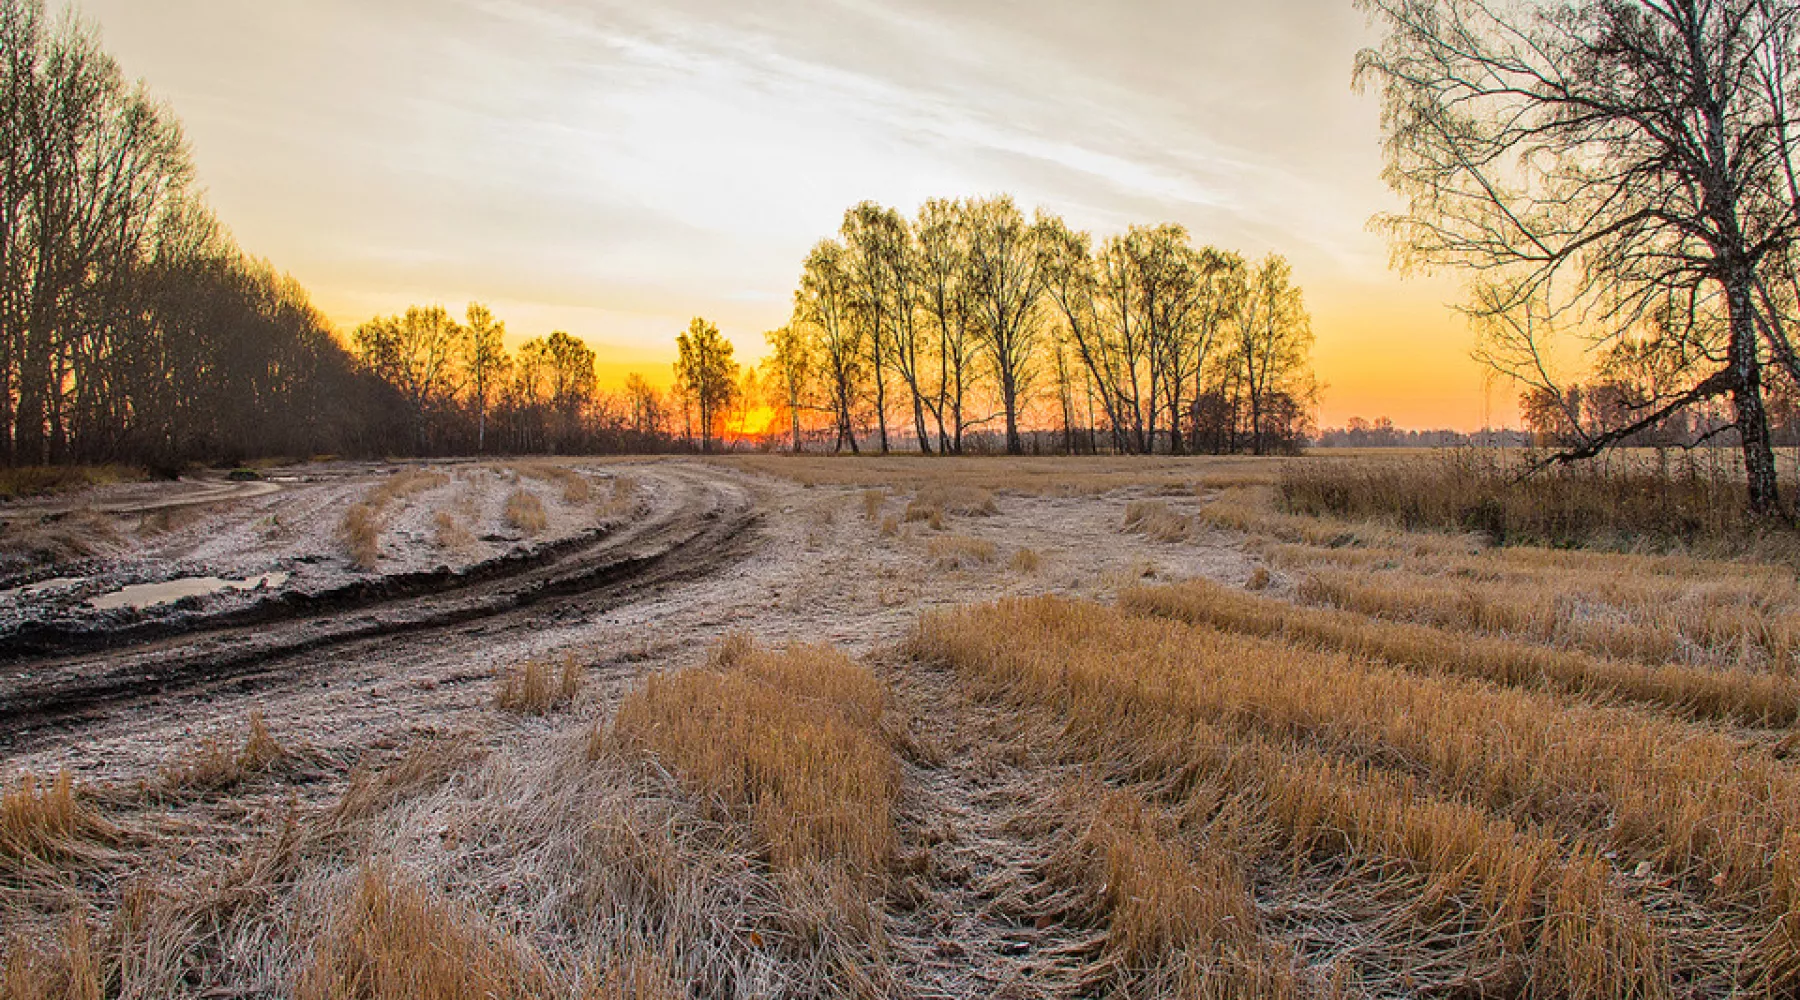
<point>809,727</point>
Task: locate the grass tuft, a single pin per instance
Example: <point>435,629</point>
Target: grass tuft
<point>538,687</point>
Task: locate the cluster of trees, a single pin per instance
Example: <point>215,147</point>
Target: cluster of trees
<point>1620,170</point>
<point>131,326</point>
<point>929,330</point>
<point>456,389</point>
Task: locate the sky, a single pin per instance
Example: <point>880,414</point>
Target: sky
<point>615,168</point>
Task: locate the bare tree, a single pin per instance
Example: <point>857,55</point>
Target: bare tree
<point>415,353</point>
<point>1623,167</point>
<point>941,233</point>
<point>1272,338</point>
<point>789,374</point>
<point>824,303</point>
<point>484,357</point>
<point>1006,273</point>
<point>704,367</point>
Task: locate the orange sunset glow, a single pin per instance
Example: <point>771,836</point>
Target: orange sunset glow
<point>613,169</point>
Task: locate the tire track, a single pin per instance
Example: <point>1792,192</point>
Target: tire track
<point>699,524</point>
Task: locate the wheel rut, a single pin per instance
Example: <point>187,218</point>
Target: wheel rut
<point>699,524</point>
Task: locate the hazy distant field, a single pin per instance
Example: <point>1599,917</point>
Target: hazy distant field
<point>772,726</point>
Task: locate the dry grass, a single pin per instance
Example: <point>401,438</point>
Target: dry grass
<point>1734,621</point>
<point>525,512</point>
<point>1025,561</point>
<point>933,503</point>
<point>539,687</point>
<point>872,501</point>
<point>576,489</point>
<point>41,480</point>
<point>1618,503</point>
<point>960,552</point>
<point>361,526</point>
<point>394,941</point>
<point>1060,476</point>
<point>1157,521</point>
<point>216,764</point>
<point>1128,691</point>
<point>890,526</point>
<point>48,825</point>
<point>47,542</point>
<point>786,741</point>
<point>451,534</point>
<point>361,531</point>
<point>1735,695</point>
<point>622,499</point>
<point>72,970</point>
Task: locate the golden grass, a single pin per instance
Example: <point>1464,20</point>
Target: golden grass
<point>538,687</point>
<point>47,824</point>
<point>960,552</point>
<point>361,526</point>
<point>1699,692</point>
<point>872,500</point>
<point>1696,803</point>
<point>72,970</point>
<point>1025,561</point>
<point>361,531</point>
<point>216,765</point>
<point>525,512</point>
<point>395,941</point>
<point>1744,623</point>
<point>575,487</point>
<point>1157,521</point>
<point>890,526</point>
<point>1617,502</point>
<point>1157,898</point>
<point>451,534</point>
<point>934,502</point>
<point>1143,694</point>
<point>787,741</point>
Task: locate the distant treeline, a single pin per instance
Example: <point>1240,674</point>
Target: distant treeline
<point>1381,433</point>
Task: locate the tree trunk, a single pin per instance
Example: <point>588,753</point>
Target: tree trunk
<point>1752,418</point>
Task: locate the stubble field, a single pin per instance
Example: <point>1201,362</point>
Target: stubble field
<point>808,727</point>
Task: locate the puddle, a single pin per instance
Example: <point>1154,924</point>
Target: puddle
<point>43,586</point>
<point>143,595</point>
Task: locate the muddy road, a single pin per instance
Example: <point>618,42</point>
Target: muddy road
<point>56,681</point>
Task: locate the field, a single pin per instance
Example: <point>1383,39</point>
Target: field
<point>808,727</point>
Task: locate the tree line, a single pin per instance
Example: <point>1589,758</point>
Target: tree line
<point>971,316</point>
<point>131,325</point>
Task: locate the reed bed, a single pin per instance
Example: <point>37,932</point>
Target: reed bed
<point>1752,698</point>
<point>1145,696</point>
